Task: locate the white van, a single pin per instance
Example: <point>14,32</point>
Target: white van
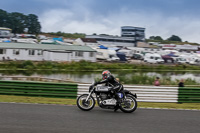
<point>181,60</point>
<point>153,58</point>
<point>105,54</point>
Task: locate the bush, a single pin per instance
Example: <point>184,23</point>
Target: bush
<point>28,65</point>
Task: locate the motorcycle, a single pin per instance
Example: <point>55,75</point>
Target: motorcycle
<point>107,100</point>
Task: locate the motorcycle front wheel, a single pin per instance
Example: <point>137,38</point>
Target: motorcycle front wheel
<point>85,105</point>
<point>129,104</point>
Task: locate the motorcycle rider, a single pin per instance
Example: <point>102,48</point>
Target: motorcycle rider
<point>110,80</point>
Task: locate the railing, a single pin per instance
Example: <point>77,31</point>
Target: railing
<point>72,90</point>
<point>145,93</point>
<point>38,89</point>
<point>189,95</point>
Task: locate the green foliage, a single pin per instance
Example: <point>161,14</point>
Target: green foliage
<point>48,67</point>
<point>158,38</point>
<point>18,22</point>
<point>144,79</point>
<point>174,38</point>
<point>28,65</point>
<point>3,18</point>
<point>67,35</point>
<point>33,24</point>
<point>85,65</point>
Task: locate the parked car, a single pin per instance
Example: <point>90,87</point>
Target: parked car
<point>153,58</point>
<point>181,60</point>
<point>168,59</point>
<point>194,62</point>
<point>137,57</point>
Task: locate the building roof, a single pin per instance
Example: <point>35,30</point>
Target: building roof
<point>132,27</point>
<point>90,40</point>
<point>109,37</point>
<point>46,47</point>
<point>3,28</point>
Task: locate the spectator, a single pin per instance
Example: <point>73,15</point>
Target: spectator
<point>157,82</point>
<point>181,83</point>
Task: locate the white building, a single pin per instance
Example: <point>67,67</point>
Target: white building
<point>138,33</point>
<point>40,52</point>
<point>113,41</point>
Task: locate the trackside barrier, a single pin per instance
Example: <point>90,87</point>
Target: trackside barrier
<point>38,89</point>
<point>145,93</point>
<point>189,95</point>
<point>70,90</point>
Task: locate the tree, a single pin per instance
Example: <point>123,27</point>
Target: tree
<point>156,38</point>
<point>3,18</point>
<point>17,22</point>
<point>33,24</point>
<point>152,37</point>
<point>174,38</point>
<point>59,33</point>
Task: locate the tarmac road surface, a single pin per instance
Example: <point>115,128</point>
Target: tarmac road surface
<point>39,118</point>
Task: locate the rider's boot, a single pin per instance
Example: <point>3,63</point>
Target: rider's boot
<point>116,107</point>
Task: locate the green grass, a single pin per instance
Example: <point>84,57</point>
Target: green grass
<point>61,101</point>
<point>92,66</point>
<point>40,100</point>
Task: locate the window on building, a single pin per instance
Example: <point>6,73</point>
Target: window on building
<point>40,52</point>
<point>79,54</point>
<point>2,51</point>
<point>16,51</point>
<point>99,53</point>
<point>91,54</point>
<point>31,52</point>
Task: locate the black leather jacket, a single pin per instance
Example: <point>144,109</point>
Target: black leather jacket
<point>111,81</point>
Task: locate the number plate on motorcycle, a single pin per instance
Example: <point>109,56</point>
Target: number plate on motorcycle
<point>102,88</point>
<point>120,95</point>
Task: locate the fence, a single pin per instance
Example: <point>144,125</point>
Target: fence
<point>189,95</point>
<point>39,89</point>
<point>69,90</point>
<point>145,93</point>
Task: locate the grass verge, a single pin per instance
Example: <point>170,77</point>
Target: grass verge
<point>62,101</point>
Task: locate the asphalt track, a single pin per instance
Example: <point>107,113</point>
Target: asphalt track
<point>38,118</point>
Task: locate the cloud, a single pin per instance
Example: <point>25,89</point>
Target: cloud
<point>71,22</point>
<point>82,20</point>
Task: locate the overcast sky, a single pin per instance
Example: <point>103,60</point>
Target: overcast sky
<point>160,17</point>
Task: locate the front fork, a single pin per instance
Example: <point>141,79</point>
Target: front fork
<point>88,96</point>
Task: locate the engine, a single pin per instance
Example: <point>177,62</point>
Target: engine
<point>106,99</point>
<point>104,96</point>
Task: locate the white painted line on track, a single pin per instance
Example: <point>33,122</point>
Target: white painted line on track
<point>169,109</point>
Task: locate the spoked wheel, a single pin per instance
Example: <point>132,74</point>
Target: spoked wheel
<point>129,104</point>
<point>85,105</point>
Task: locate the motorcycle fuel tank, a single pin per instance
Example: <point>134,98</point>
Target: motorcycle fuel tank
<point>102,89</point>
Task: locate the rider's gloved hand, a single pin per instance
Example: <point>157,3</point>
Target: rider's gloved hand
<point>96,83</point>
<point>91,87</point>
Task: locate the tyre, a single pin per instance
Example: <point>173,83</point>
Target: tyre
<point>129,104</point>
<point>83,105</point>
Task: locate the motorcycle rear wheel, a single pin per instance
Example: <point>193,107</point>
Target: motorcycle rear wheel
<point>85,105</point>
<point>129,104</point>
